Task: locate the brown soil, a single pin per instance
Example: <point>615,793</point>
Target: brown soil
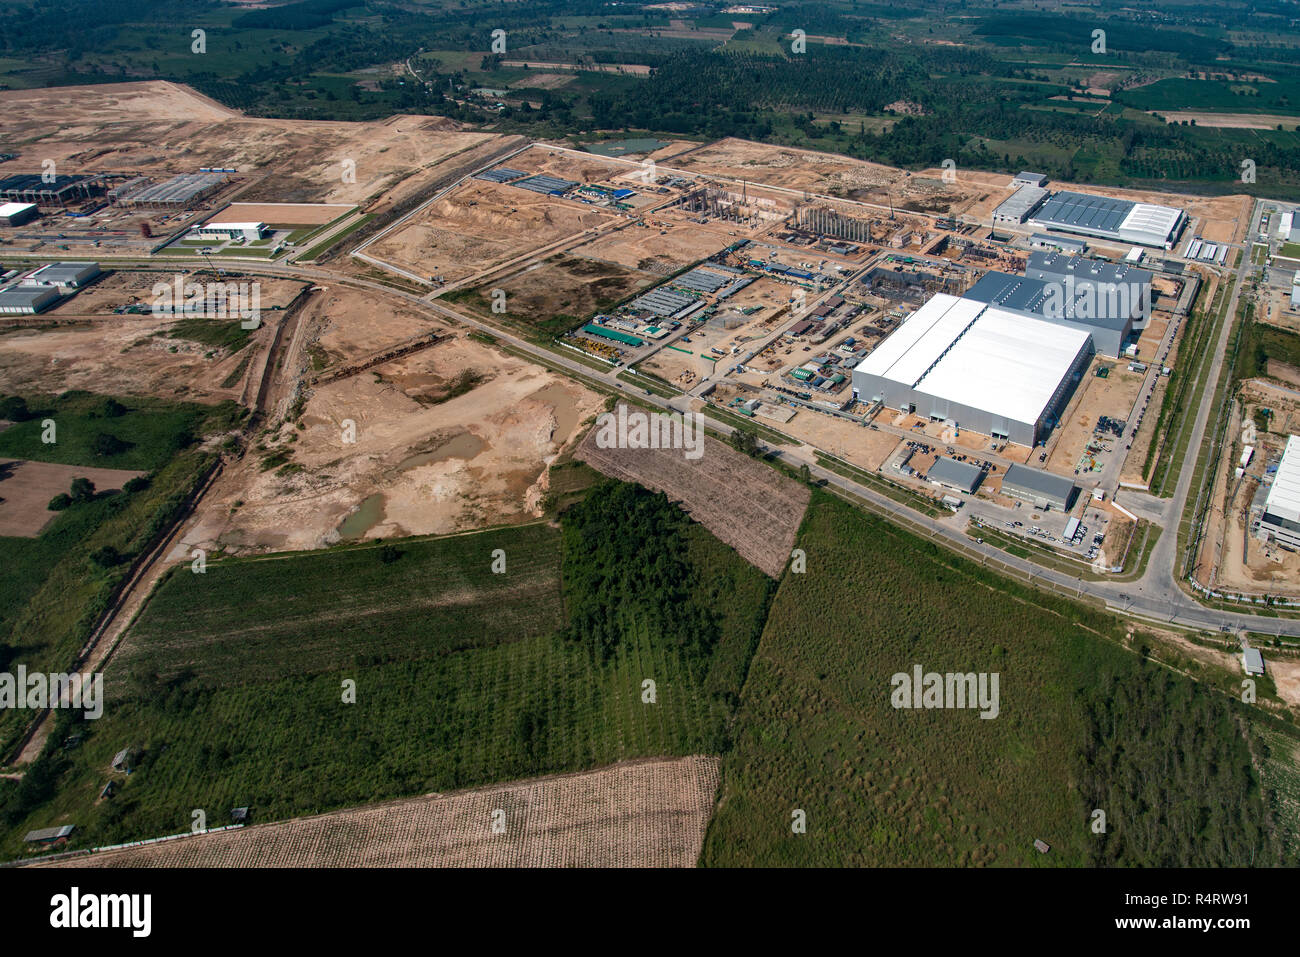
<point>27,487</point>
<point>743,502</point>
<point>633,814</point>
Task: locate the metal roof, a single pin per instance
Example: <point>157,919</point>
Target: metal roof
<point>1253,661</point>
<point>1108,217</point>
<point>502,174</point>
<point>1038,482</point>
<point>179,189</point>
<point>49,833</point>
<point>546,184</point>
<point>956,474</point>
<point>63,272</point>
<point>9,209</point>
<point>979,356</point>
<point>1021,203</point>
<point>1090,304</point>
<point>33,297</point>
<point>1284,497</point>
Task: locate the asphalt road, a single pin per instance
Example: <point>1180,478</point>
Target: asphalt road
<point>1156,596</point>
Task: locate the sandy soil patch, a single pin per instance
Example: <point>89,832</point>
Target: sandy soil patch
<point>27,487</point>
<point>284,214</point>
<point>633,814</point>
<point>661,248</point>
<point>160,126</point>
<point>415,468</point>
<point>127,355</point>
<point>482,224</point>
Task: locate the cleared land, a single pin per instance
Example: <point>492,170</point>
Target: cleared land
<point>454,437</point>
<point>633,814</point>
<point>482,224</point>
<point>144,127</point>
<point>27,487</point>
<point>743,502</point>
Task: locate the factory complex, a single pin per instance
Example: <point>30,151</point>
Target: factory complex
<point>976,366</point>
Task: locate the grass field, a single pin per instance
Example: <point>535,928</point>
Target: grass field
<point>463,678</point>
<point>51,591</point>
<point>1081,725</point>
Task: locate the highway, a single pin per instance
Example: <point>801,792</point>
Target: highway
<point>1157,596</point>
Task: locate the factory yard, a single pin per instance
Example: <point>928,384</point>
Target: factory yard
<point>428,458</point>
<point>1232,557</point>
<point>27,487</point>
<point>741,501</point>
<point>1078,450</point>
<point>650,813</point>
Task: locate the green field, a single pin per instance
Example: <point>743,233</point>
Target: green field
<point>51,588</point>
<point>231,686</point>
<point>1082,725</point>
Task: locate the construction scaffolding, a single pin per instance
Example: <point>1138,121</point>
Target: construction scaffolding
<point>827,222</point>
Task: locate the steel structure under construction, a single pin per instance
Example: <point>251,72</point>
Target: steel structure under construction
<point>827,222</point>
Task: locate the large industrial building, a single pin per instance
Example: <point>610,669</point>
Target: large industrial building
<point>1142,224</point>
<point>26,300</point>
<point>15,214</point>
<point>1038,488</point>
<point>64,275</point>
<point>1281,519</point>
<point>176,193</point>
<point>220,232</point>
<point>1101,298</point>
<point>49,190</point>
<point>977,367</point>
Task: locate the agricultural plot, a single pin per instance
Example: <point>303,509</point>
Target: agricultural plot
<point>1081,723</point>
<point>633,814</point>
<point>480,690</point>
<point>245,620</point>
<point>749,506</point>
<point>27,487</point>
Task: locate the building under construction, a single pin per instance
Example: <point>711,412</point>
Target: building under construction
<point>827,222</point>
<point>49,190</point>
<point>713,202</point>
<point>908,286</point>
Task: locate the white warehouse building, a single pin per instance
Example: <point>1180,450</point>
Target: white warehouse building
<point>977,367</point>
<point>225,231</point>
<point>1281,519</point>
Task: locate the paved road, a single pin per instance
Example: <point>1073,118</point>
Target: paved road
<point>1156,596</point>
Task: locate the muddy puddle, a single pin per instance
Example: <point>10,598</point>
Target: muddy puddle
<point>462,445</point>
<point>368,514</point>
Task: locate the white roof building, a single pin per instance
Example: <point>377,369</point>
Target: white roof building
<point>1281,517</point>
<point>976,366</point>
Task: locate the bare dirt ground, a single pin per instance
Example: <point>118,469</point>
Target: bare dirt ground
<point>157,126</point>
<point>743,502</point>
<point>27,487</point>
<point>418,465</point>
<point>649,813</point>
<point>570,285</point>
<point>284,214</point>
<point>129,355</point>
<point>1233,121</point>
<point>662,248</point>
<point>481,224</point>
<point>826,173</point>
<point>1113,396</point>
<point>345,324</point>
